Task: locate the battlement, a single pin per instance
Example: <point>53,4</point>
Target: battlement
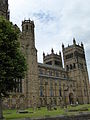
<point>27,21</point>
<point>53,59</point>
<point>45,57</point>
<point>28,26</point>
<point>81,46</point>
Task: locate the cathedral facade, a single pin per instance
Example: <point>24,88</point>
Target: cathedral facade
<point>49,82</point>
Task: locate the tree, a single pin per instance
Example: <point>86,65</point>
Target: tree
<point>12,61</point>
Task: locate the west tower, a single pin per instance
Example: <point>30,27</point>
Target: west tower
<point>31,88</point>
<point>75,64</point>
<point>4,9</point>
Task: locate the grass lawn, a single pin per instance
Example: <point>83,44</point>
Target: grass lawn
<point>43,112</point>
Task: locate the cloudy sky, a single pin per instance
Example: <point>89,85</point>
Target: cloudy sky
<point>56,22</point>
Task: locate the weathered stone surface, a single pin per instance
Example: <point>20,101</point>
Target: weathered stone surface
<point>48,82</point>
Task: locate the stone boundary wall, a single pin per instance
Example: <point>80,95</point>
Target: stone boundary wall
<point>75,117</point>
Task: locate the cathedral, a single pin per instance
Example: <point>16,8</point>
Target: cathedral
<point>49,83</point>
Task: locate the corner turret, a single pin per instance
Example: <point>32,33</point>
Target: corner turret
<point>62,46</point>
<point>52,51</point>
<point>74,41</point>
<point>82,45</point>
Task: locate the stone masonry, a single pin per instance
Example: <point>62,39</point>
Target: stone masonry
<point>49,83</point>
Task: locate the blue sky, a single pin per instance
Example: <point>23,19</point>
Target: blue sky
<point>56,22</point>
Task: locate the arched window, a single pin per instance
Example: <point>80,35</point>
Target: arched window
<point>60,94</point>
<point>51,89</point>
<point>51,92</point>
<point>71,67</point>
<point>26,27</point>
<point>31,28</point>
<point>57,74</point>
<point>67,67</point>
<point>74,65</point>
<point>41,91</point>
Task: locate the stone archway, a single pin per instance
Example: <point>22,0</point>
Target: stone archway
<point>71,98</point>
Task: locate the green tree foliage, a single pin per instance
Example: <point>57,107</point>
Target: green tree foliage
<point>12,61</point>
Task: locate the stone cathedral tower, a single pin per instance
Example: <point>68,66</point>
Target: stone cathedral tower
<point>30,85</point>
<point>75,64</point>
<point>4,9</point>
<point>48,82</point>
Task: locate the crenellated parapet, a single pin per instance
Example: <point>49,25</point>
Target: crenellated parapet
<point>53,59</point>
<point>28,26</point>
<point>79,46</point>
